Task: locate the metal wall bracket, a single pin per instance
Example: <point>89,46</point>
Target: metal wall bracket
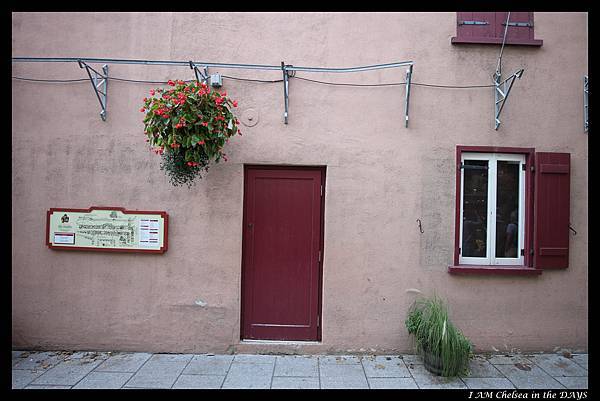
<point>407,95</point>
<point>586,100</point>
<point>501,92</point>
<point>99,84</point>
<point>200,76</point>
<point>285,91</point>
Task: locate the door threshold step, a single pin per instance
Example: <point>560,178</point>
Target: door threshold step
<point>280,342</point>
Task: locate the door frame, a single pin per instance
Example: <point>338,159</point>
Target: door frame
<point>323,170</point>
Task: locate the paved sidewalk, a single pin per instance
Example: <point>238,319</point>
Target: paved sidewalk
<point>116,370</point>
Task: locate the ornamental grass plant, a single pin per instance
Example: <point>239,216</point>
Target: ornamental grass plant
<point>188,125</point>
<point>444,348</point>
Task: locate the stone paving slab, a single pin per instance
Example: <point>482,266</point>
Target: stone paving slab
<point>558,365</point>
<point>339,360</point>
<point>292,365</point>
<point>535,378</point>
<point>385,366</point>
<point>480,367</point>
<point>254,359</point>
<point>428,380</point>
<point>573,382</point>
<point>47,387</point>
<point>488,383</point>
<point>108,380</point>
<point>160,371</point>
<point>249,375</point>
<point>21,377</point>
<point>209,365</point>
<point>581,360</point>
<point>412,359</point>
<point>170,358</point>
<point>67,373</point>
<point>296,383</point>
<point>392,383</point>
<point>37,360</point>
<point>508,359</point>
<point>124,362</point>
<point>199,381</point>
<point>344,375</point>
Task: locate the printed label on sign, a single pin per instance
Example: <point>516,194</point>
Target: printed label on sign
<point>149,233</point>
<point>64,238</point>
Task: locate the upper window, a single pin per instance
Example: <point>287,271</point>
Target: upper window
<point>488,27</point>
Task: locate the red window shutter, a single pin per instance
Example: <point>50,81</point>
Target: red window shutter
<point>551,210</point>
<point>520,26</point>
<point>473,25</point>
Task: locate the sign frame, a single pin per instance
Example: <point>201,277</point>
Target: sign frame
<point>163,214</point>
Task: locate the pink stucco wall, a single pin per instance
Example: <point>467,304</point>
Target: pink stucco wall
<point>381,177</point>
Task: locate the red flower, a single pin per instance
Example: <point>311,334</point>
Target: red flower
<point>200,142</point>
<point>205,124</point>
<point>142,109</point>
<point>235,104</point>
<point>152,92</point>
<point>170,83</point>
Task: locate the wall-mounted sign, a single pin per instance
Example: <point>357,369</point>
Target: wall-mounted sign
<point>107,229</point>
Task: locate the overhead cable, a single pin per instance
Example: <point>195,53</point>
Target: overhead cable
<point>264,81</point>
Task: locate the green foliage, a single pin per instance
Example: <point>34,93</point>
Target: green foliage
<point>434,334</point>
<point>179,172</point>
<point>188,125</point>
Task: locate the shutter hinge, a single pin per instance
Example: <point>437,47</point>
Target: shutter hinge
<point>532,168</point>
<point>524,167</point>
<point>528,24</point>
<point>531,251</point>
<point>321,189</point>
<point>318,321</point>
<point>522,252</point>
<point>459,251</point>
<point>473,23</point>
<point>319,256</point>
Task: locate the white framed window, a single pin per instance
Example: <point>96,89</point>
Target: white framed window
<point>492,209</point>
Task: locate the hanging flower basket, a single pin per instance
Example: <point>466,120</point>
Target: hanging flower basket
<point>188,125</point>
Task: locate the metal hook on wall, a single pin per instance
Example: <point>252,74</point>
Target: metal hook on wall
<point>572,229</point>
<point>420,228</point>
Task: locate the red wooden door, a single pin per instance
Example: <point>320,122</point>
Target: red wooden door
<point>282,253</point>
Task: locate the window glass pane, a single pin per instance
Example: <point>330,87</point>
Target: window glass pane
<point>475,203</point>
<point>507,210</point>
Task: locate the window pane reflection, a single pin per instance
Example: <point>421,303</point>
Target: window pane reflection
<point>507,210</point>
<point>474,235</point>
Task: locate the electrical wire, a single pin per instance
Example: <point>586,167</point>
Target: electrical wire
<point>252,80</point>
<point>346,84</point>
<point>397,84</point>
<point>51,80</point>
<point>265,81</point>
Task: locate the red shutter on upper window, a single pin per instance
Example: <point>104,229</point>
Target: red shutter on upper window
<point>551,210</point>
<point>520,26</point>
<point>473,25</point>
